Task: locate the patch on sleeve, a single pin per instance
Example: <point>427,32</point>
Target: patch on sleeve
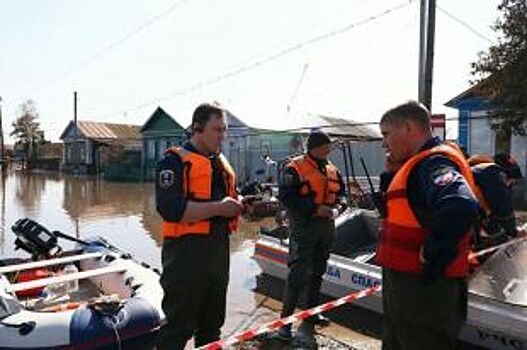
<point>166,178</point>
<point>443,176</point>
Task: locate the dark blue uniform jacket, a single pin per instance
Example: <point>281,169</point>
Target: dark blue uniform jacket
<point>491,181</point>
<point>442,201</point>
<point>303,205</point>
<point>170,199</point>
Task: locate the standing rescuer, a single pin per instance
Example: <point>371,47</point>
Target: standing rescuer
<point>312,191</point>
<point>429,209</point>
<point>197,199</point>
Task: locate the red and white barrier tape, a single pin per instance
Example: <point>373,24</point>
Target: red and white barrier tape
<point>302,315</point>
<point>494,248</point>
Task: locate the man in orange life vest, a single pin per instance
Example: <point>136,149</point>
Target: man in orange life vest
<point>494,178</point>
<point>313,193</point>
<point>197,199</point>
<point>423,249</point>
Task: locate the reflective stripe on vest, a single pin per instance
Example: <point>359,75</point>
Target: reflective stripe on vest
<point>326,187</point>
<point>402,236</point>
<point>197,186</point>
<point>479,192</point>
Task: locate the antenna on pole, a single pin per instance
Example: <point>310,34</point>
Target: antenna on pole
<point>295,92</point>
<point>75,136</point>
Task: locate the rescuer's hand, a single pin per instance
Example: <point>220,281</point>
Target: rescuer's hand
<point>248,205</point>
<point>229,207</point>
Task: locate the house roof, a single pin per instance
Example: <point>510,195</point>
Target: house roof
<point>234,122</point>
<point>480,89</point>
<point>101,130</point>
<point>160,114</point>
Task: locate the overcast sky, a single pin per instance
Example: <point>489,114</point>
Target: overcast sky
<point>256,57</point>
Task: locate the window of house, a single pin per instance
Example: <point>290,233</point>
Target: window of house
<point>82,152</point>
<point>151,149</point>
<point>162,146</point>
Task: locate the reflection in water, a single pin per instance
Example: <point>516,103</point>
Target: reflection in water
<point>3,177</point>
<point>28,192</point>
<point>86,206</point>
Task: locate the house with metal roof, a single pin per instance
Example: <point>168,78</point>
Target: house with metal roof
<point>90,146</point>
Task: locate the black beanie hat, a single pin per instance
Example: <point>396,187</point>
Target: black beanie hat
<point>317,138</point>
<point>509,165</point>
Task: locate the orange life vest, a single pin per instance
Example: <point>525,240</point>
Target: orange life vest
<point>402,236</point>
<point>197,186</point>
<point>484,205</point>
<point>325,186</point>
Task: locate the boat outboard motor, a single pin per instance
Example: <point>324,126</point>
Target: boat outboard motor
<point>35,239</point>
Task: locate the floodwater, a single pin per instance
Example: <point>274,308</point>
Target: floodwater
<point>125,214</point>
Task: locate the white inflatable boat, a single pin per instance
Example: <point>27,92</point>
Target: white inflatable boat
<point>497,309</point>
<point>117,303</point>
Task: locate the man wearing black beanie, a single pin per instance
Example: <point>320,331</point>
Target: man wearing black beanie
<point>313,193</point>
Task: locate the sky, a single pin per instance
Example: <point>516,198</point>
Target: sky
<point>268,61</point>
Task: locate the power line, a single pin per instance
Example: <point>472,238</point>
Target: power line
<point>336,79</point>
<point>265,60</point>
<point>464,24</point>
<point>89,60</point>
<point>338,125</point>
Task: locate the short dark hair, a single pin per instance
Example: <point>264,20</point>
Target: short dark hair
<point>409,111</point>
<point>202,115</point>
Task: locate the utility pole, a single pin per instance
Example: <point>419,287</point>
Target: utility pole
<point>2,160</point>
<point>422,49</point>
<point>75,135</point>
<point>430,39</point>
<point>426,51</point>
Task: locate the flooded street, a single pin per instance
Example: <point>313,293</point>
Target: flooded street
<point>125,214</point>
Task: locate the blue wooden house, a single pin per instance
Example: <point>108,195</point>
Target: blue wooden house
<point>475,131</point>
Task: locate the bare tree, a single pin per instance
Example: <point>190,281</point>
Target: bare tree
<point>26,129</point>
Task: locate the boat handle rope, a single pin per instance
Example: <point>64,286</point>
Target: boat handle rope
<point>24,328</point>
